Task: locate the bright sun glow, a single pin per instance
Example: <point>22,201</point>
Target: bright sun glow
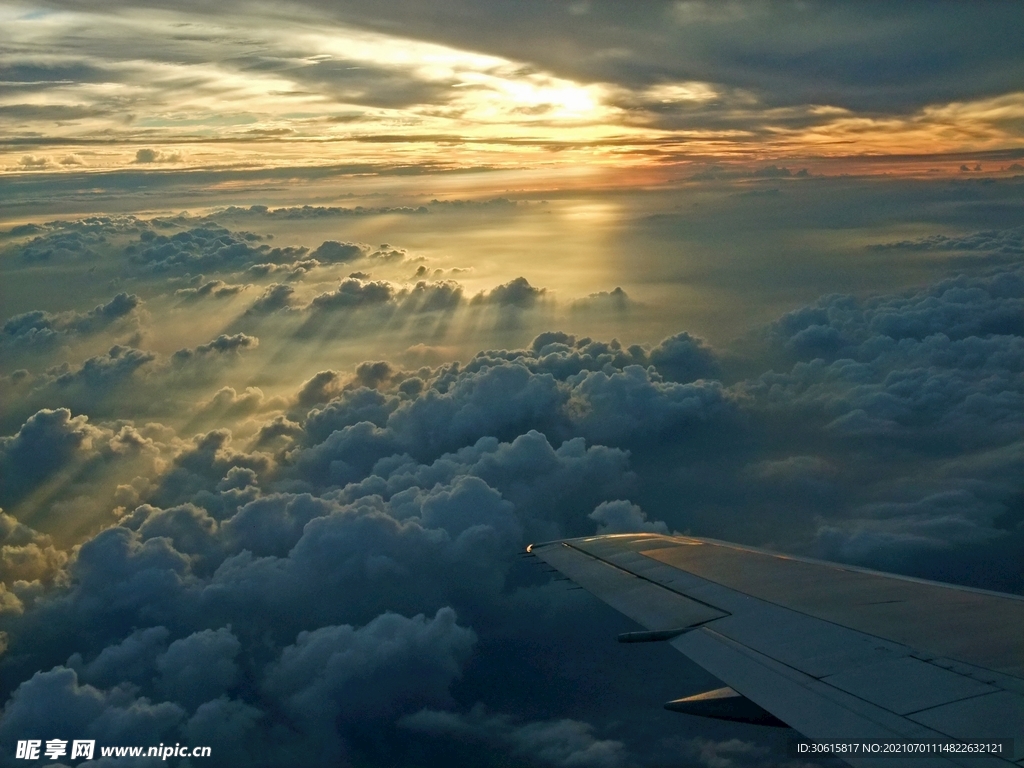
<point>259,92</point>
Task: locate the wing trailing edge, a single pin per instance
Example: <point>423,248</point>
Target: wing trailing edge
<point>831,650</point>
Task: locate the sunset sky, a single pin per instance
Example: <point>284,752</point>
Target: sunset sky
<point>313,315</point>
<point>663,86</point>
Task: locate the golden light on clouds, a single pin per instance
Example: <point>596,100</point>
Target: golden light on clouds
<point>675,92</point>
<point>158,89</point>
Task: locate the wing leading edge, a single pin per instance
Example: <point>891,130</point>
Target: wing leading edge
<point>834,651</point>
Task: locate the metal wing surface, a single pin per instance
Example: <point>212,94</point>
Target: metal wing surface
<point>833,651</point>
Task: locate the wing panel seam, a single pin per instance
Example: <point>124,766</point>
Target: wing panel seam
<point>911,650</point>
<point>725,638</point>
<point>649,581</point>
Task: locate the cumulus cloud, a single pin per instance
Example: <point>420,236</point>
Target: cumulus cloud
<point>615,300</point>
<point>623,517</point>
<point>684,358</point>
<point>198,668</point>
<point>562,743</point>
<point>26,554</point>
<point>1005,244</point>
<point>724,754</point>
<point>222,345</point>
<point>40,327</point>
<point>518,293</point>
<point>388,665</point>
<point>316,211</point>
<point>228,404</point>
<point>333,252</point>
<point>47,442</point>
<point>887,532</point>
<point>275,297</point>
<point>76,239</point>
<point>353,293</point>
<point>944,360</point>
<point>98,378</point>
<point>55,702</point>
<point>206,248</point>
<point>772,172</point>
<point>148,155</point>
<point>217,289</point>
<point>324,386</point>
<point>388,299</point>
<point>286,581</point>
<point>131,660</point>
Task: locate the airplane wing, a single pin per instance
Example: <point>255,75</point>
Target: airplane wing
<point>833,651</point>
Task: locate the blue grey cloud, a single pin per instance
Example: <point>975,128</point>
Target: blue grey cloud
<point>334,567</point>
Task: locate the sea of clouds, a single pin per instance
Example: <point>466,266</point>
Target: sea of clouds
<point>331,572</point>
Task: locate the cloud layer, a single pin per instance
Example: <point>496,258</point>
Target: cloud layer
<point>212,536</point>
<point>582,81</point>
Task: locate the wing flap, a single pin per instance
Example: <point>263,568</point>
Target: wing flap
<point>813,647</point>
<point>920,685</point>
<point>973,626</point>
<point>812,707</point>
<point>648,604</point>
<point>993,716</point>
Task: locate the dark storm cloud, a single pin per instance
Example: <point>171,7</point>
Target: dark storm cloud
<point>278,543</point>
<point>131,660</point>
<point>328,671</point>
